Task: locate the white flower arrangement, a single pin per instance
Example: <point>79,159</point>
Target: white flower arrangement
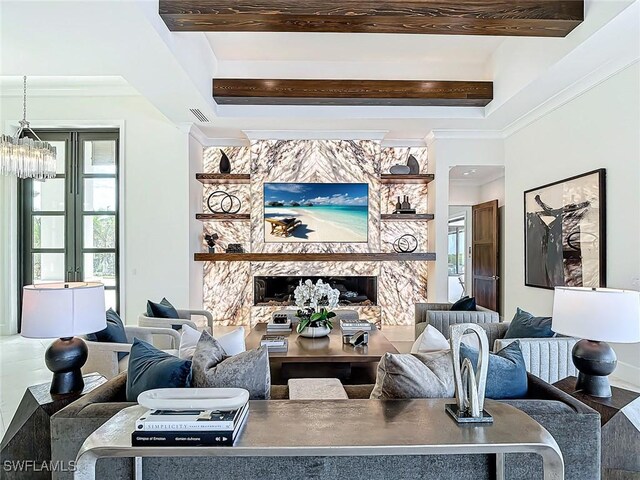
<point>315,303</point>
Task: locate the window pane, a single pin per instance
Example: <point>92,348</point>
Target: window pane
<point>99,231</point>
<point>99,194</point>
<point>48,195</point>
<point>48,267</point>
<point>100,156</point>
<point>61,150</point>
<point>110,299</point>
<point>48,232</point>
<point>100,267</point>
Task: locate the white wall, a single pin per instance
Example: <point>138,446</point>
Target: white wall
<point>155,163</point>
<point>493,190</point>
<point>600,128</point>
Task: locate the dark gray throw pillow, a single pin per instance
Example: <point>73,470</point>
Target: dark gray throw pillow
<point>114,332</point>
<point>507,373</point>
<point>212,368</point>
<point>417,375</point>
<point>164,309</point>
<point>526,325</point>
<point>465,304</point>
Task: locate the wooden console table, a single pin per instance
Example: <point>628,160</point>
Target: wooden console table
<point>393,427</point>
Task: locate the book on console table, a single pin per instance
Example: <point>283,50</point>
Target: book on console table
<point>283,326</point>
<point>352,326</point>
<point>275,343</point>
<point>190,420</point>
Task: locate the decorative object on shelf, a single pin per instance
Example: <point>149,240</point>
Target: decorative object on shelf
<point>597,315</point>
<point>414,166</point>
<point>398,204</point>
<point>404,206</point>
<point>400,170</point>
<point>221,399</point>
<point>565,233</point>
<point>23,156</point>
<point>315,303</point>
<point>407,243</point>
<point>234,248</point>
<point>469,385</point>
<point>62,311</point>
<point>211,241</point>
<point>225,164</point>
<point>222,202</point>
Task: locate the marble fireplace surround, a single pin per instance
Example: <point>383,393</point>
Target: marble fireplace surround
<point>228,286</point>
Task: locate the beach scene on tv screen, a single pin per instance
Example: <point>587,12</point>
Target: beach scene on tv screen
<point>315,212</point>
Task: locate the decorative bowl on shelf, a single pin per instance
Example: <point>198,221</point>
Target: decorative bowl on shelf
<point>400,170</point>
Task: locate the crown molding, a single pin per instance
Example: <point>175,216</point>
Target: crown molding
<point>377,135</point>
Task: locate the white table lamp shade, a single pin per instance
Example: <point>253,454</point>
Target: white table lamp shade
<point>60,310</point>
<point>600,314</point>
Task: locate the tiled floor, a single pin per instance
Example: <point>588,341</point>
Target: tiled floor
<point>22,365</point>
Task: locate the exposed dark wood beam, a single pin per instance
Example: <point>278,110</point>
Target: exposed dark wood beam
<point>230,91</point>
<point>534,18</point>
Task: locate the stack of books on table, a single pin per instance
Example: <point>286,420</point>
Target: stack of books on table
<point>189,428</point>
<point>275,343</point>
<point>349,327</point>
<point>279,324</point>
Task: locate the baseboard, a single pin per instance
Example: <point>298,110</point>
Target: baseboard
<point>628,373</point>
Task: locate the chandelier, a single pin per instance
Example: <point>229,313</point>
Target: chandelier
<point>26,157</point>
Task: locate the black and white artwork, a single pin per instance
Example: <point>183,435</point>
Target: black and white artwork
<point>565,233</point>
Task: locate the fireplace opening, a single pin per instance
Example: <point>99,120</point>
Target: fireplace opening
<point>278,290</point>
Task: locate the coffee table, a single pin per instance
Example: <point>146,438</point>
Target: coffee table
<point>394,428</point>
<point>324,357</point>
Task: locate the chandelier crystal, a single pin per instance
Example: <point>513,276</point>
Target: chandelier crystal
<point>26,157</point>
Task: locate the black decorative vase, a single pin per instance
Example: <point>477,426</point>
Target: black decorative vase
<point>225,164</point>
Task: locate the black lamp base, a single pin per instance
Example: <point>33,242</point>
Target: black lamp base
<point>595,361</point>
<point>65,358</point>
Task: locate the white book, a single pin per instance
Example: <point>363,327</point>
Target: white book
<point>222,421</point>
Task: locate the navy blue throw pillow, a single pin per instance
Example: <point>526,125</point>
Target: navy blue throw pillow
<point>465,304</point>
<point>164,309</point>
<point>150,368</point>
<point>113,333</point>
<point>507,374</point>
<point>525,325</point>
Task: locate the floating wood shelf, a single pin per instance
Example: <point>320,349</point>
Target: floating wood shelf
<point>389,178</point>
<point>314,257</point>
<point>223,216</point>
<point>407,217</point>
<point>223,178</point>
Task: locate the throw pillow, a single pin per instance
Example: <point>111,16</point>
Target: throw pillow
<point>232,342</point>
<point>507,373</point>
<point>431,340</point>
<point>419,375</point>
<point>465,304</point>
<point>150,368</point>
<point>212,368</point>
<point>525,325</point>
<point>164,309</point>
<point>114,332</point>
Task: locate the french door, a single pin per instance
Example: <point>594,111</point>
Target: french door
<point>69,224</point>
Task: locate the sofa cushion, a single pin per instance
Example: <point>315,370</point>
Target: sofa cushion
<point>430,340</point>
<point>526,325</point>
<point>114,332</point>
<point>164,309</point>
<point>232,342</point>
<point>212,368</point>
<point>465,304</point>
<point>419,375</point>
<point>507,373</point>
<point>150,368</point>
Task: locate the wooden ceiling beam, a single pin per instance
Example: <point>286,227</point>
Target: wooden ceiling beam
<point>229,91</point>
<point>534,18</point>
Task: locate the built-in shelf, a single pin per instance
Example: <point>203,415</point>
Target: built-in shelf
<point>314,257</point>
<point>407,217</point>
<point>419,179</point>
<point>223,216</point>
<point>223,178</point>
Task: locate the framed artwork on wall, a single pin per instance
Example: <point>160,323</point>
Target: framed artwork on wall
<point>565,232</point>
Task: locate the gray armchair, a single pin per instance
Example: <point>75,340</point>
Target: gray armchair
<point>185,317</point>
<point>103,356</point>
<point>441,317</point>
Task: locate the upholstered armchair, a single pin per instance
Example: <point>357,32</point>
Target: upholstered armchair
<point>103,356</point>
<point>441,317</point>
<point>185,318</point>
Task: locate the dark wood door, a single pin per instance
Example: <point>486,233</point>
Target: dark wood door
<point>485,250</point>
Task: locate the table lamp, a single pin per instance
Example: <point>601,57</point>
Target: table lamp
<point>597,315</point>
<point>62,311</point>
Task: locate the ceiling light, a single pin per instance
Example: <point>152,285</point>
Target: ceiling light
<point>25,157</point>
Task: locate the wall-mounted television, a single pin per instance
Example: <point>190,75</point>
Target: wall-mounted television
<point>316,212</point>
